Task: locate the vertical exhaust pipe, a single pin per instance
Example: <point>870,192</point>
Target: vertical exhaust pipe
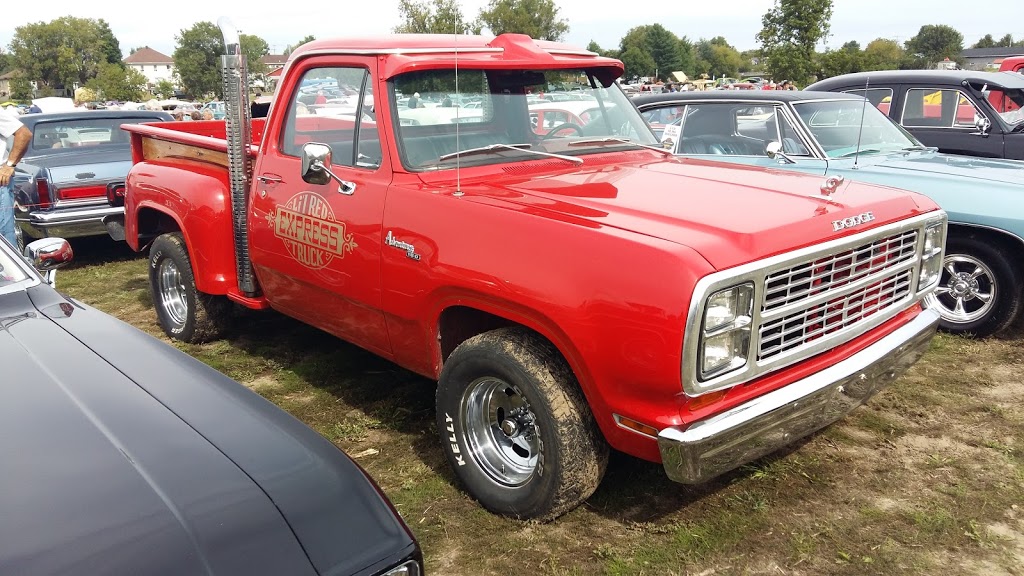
<point>235,78</point>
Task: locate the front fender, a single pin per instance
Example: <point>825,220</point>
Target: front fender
<point>194,198</point>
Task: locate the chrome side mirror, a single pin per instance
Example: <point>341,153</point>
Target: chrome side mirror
<point>47,255</point>
<point>983,125</point>
<point>316,158</point>
<point>774,151</point>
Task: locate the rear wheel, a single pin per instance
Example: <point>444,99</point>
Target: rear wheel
<point>516,427</point>
<point>979,291</point>
<point>184,313</point>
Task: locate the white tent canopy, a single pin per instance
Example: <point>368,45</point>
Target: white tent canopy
<point>54,104</point>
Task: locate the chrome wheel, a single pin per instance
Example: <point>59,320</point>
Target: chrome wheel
<point>967,289</point>
<point>173,296</point>
<point>501,431</point>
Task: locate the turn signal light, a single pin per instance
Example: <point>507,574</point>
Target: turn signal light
<point>705,400</point>
<point>636,426</point>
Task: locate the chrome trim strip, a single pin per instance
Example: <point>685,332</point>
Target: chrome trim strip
<point>756,272</point>
<point>399,51</point>
<point>561,52</point>
<point>69,216</point>
<point>767,423</point>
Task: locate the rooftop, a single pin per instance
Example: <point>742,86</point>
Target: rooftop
<point>147,55</point>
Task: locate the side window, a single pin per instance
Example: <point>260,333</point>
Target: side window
<point>323,109</point>
<point>880,98</point>
<point>370,154</point>
<point>930,107</point>
<point>791,143</point>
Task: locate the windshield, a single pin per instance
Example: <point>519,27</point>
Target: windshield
<point>76,132</point>
<point>1008,102</point>
<point>528,114</point>
<point>837,126</point>
<point>10,272</point>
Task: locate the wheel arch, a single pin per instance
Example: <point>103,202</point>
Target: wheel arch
<point>1008,241</point>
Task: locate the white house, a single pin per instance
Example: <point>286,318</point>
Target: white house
<point>152,64</point>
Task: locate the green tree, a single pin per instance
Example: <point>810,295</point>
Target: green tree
<point>433,17</point>
<point>669,53</point>
<point>716,57</point>
<point>934,43</point>
<point>21,88</point>
<point>254,48</point>
<point>789,33</point>
<point>115,82</point>
<point>197,60</point>
<point>5,61</point>
<point>64,51</point>
<point>291,47</point>
<point>986,41</point>
<point>163,88</point>
<point>637,63</point>
<point>882,54</point>
<point>535,18</point>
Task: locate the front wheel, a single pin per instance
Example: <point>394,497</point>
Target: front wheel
<point>979,290</point>
<point>516,427</point>
<point>184,313</point>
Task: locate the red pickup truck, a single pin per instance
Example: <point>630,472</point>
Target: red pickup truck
<point>1012,64</point>
<point>570,291</point>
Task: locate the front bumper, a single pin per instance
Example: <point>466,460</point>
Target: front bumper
<point>67,222</point>
<point>705,449</point>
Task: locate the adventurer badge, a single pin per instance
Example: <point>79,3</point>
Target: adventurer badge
<point>313,237</point>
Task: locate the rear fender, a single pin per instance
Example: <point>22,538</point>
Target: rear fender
<point>191,197</point>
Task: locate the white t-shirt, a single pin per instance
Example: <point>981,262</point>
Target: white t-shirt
<point>9,124</point>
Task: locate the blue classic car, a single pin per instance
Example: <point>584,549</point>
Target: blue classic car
<point>841,136</point>
<point>61,184</point>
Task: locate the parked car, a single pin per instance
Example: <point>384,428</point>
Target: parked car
<point>842,137</point>
<point>61,184</point>
<point>957,111</point>
<point>123,455</point>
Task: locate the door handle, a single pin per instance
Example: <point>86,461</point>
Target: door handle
<point>269,178</point>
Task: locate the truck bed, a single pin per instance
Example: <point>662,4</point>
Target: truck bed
<point>204,140</point>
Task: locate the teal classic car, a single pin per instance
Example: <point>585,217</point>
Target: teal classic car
<point>843,138</point>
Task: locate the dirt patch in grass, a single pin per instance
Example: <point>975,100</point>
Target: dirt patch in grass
<point>928,478</point>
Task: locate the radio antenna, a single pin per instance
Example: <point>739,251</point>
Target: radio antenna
<point>458,162</point>
<point>860,131</point>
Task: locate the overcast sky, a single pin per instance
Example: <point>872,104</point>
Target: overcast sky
<point>605,21</point>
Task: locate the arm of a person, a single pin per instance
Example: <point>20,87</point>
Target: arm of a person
<point>21,139</point>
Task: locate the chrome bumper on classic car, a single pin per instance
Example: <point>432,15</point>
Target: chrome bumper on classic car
<point>67,223</point>
<point>705,449</point>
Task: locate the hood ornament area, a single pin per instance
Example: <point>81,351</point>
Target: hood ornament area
<point>831,184</point>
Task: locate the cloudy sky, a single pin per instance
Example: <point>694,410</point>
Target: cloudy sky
<point>605,21</point>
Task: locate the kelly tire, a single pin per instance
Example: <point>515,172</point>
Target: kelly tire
<point>184,313</point>
<point>511,379</point>
<point>979,289</point>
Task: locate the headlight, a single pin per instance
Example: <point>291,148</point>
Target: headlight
<point>931,258</point>
<point>725,332</point>
<point>410,568</point>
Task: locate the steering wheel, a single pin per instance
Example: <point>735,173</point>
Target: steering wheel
<point>564,126</point>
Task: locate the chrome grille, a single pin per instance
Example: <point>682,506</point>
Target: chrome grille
<point>821,297</point>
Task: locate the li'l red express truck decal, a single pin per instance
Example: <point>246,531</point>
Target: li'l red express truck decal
<point>313,236</point>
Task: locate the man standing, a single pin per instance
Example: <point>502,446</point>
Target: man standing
<point>14,139</point>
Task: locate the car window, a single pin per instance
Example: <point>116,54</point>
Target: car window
<point>880,98</point>
<point>727,129</point>
<point>791,142</point>
<point>844,128</point>
<point>10,272</point>
<point>936,108</point>
<point>82,132</point>
<point>1008,103</point>
<point>324,108</point>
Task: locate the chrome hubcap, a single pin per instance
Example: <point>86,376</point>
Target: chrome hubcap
<point>501,431</point>
<point>967,289</point>
<point>172,291</point>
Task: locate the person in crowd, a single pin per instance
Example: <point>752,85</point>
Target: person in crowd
<point>320,98</point>
<point>414,100</point>
<point>178,115</point>
<point>196,115</point>
<point>208,114</point>
<point>14,140</point>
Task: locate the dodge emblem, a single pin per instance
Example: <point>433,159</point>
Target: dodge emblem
<point>852,221</point>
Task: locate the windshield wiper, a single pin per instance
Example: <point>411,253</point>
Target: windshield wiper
<point>492,148</point>
<point>861,151</point>
<point>919,147</point>
<point>617,140</point>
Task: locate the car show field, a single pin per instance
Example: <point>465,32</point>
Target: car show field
<point>928,478</point>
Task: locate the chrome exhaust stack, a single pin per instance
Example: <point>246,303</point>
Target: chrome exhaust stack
<point>235,78</point>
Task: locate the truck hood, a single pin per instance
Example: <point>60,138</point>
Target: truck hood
<point>109,472</point>
<point>731,214</point>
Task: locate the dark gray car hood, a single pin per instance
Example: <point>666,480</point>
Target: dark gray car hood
<point>119,457</point>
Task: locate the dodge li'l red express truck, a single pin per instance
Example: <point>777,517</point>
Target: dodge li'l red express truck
<point>572,287</point>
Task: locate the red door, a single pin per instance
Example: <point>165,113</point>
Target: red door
<point>316,249</point>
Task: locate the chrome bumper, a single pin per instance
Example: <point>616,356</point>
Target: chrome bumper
<point>711,447</point>
<point>67,223</point>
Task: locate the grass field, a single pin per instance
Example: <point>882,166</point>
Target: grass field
<point>926,479</point>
